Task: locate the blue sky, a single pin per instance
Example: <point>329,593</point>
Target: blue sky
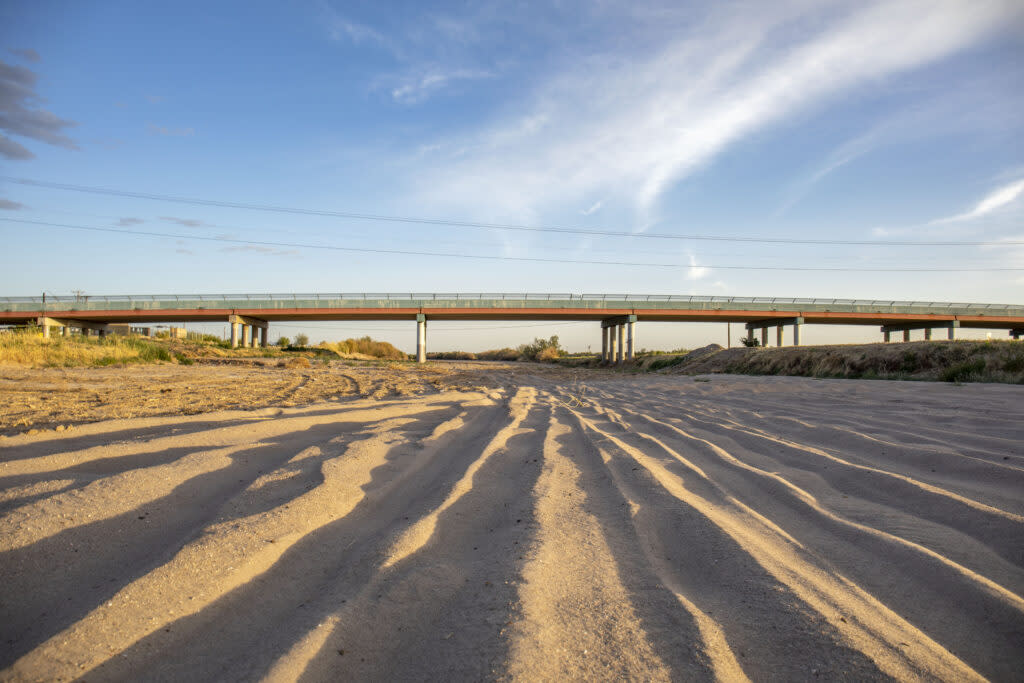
<point>807,120</point>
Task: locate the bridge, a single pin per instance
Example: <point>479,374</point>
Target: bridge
<point>618,314</point>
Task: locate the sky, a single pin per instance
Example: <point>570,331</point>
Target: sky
<point>893,121</point>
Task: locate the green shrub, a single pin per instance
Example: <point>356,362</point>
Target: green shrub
<point>542,349</point>
<point>963,372</point>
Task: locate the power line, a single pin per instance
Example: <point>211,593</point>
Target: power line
<point>493,226</point>
<point>486,257</point>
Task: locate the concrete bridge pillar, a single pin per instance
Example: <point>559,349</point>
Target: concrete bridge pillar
<point>243,331</point>
<point>604,344</point>
<point>621,330</point>
<point>906,335</point>
<point>927,334</point>
<point>255,339</point>
<point>611,344</point>
<point>796,334</point>
<point>263,337</point>
<point>778,334</point>
<point>421,338</point>
<point>764,336</point>
<point>631,338</point>
<point>886,336</point>
<point>952,329</point>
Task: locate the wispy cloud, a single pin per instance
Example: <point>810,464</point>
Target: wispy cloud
<point>8,205</point>
<point>19,116</point>
<point>631,124</point>
<point>125,222</point>
<point>696,271</point>
<point>415,89</point>
<point>255,249</point>
<point>594,208</point>
<point>170,132</point>
<point>155,99</point>
<point>186,222</point>
<point>839,157</point>
<point>995,200</point>
<point>26,53</point>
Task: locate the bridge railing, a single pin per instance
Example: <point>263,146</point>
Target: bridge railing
<point>485,299</point>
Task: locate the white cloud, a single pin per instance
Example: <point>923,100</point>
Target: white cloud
<point>696,271</point>
<point>631,125</point>
<point>415,89</point>
<point>595,207</point>
<point>995,200</point>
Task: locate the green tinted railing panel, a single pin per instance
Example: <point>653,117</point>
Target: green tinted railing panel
<point>158,302</point>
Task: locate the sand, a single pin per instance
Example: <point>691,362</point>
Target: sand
<point>517,522</point>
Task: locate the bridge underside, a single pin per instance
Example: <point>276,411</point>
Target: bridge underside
<point>618,315</point>
<point>509,314</point>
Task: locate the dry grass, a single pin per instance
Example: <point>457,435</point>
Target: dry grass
<point>958,361</point>
<point>366,346</point>
<point>30,349</point>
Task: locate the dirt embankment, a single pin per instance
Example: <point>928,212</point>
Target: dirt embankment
<point>556,526</point>
<point>957,361</point>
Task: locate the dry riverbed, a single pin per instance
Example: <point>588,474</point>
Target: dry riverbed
<point>506,521</point>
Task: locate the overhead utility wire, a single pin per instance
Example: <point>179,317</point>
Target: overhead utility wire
<point>495,226</point>
<point>400,252</point>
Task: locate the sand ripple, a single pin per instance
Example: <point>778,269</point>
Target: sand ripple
<point>561,527</point>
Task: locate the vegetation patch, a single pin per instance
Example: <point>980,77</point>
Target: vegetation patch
<point>953,361</point>
<point>28,348</point>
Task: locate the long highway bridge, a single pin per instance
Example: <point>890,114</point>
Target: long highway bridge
<point>618,314</point>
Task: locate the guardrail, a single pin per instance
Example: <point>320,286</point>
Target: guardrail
<point>488,300</point>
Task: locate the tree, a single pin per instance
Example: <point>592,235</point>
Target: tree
<point>301,340</point>
<point>542,349</point>
<point>750,341</point>
<point>284,341</point>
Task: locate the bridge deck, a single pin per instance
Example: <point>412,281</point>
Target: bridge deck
<point>654,308</point>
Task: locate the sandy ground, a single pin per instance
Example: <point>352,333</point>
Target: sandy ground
<point>511,522</point>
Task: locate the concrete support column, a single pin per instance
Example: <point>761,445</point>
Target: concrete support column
<point>65,331</point>
<point>234,335</point>
<point>102,333</point>
<point>927,334</point>
<point>622,350</point>
<point>952,329</point>
<point>778,334</point>
<point>46,331</point>
<point>906,335</point>
<point>263,337</point>
<point>604,344</point>
<point>885,336</point>
<point>796,334</point>
<point>764,336</point>
<point>631,338</point>
<point>611,344</point>
<point>421,338</point>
